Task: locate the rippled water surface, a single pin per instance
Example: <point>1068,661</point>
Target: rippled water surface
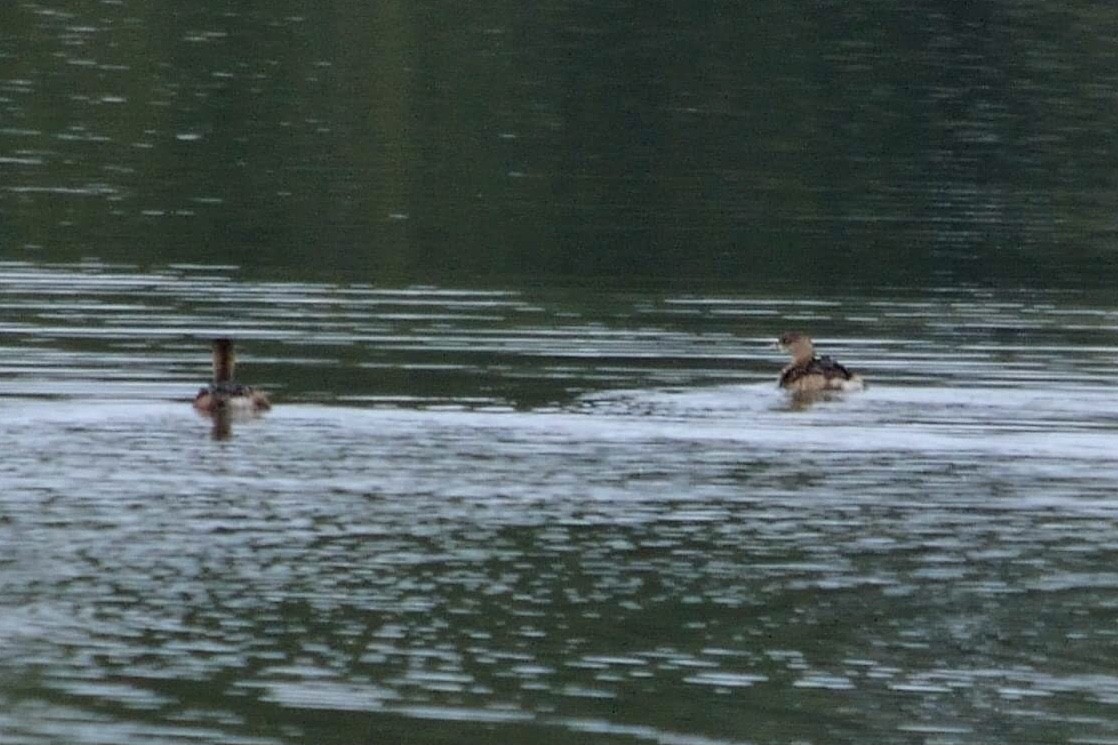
<point>554,516</point>
<point>497,502</point>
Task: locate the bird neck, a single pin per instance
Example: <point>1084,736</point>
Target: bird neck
<point>224,362</point>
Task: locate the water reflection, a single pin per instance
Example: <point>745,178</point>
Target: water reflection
<point>223,419</point>
<point>550,515</point>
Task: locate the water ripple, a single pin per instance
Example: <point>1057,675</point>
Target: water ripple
<point>547,515</point>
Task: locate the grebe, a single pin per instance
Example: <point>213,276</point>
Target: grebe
<point>808,373</point>
<point>223,394</point>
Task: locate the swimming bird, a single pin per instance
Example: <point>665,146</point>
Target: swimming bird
<point>807,373</point>
<point>223,395</point>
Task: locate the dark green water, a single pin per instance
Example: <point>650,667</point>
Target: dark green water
<point>512,273</point>
<point>845,143</point>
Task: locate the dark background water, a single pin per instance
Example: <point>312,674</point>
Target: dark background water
<point>755,144</point>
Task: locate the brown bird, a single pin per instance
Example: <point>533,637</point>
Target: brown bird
<point>807,373</point>
<point>223,394</point>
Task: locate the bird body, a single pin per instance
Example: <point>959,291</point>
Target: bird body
<point>223,394</point>
<point>808,373</point>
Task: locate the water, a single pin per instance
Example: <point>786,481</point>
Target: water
<point>552,516</point>
<point>512,277</point>
<point>859,142</point>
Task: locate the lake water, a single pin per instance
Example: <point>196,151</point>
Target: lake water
<point>512,274</point>
<point>406,141</point>
<point>552,516</point>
